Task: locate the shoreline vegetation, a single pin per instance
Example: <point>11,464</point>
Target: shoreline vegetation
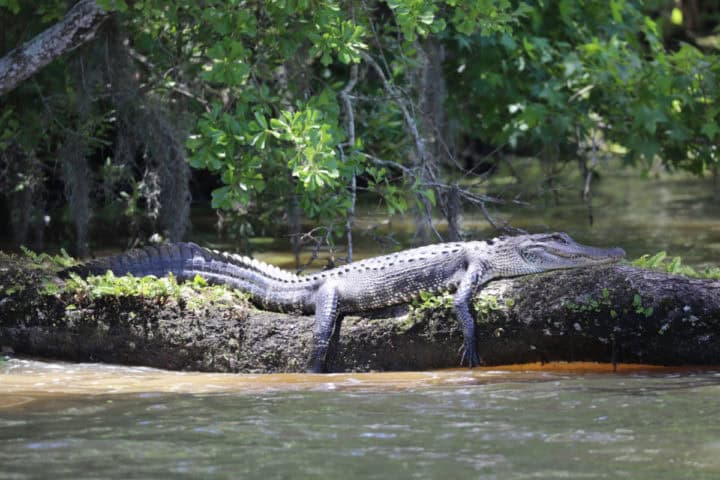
<point>621,313</point>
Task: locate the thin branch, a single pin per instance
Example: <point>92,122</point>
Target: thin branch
<point>412,128</point>
<point>488,217</point>
<point>390,164</point>
<point>370,15</point>
<point>178,87</point>
<point>587,173</point>
<point>350,126</point>
<point>467,194</point>
<point>480,201</point>
<point>319,242</point>
<point>409,120</point>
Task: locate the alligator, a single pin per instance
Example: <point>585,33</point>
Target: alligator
<point>366,285</point>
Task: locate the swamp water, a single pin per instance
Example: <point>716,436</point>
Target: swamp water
<point>576,421</point>
<point>677,214</point>
<point>72,421</point>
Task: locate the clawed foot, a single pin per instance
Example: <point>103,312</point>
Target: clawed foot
<point>470,354</point>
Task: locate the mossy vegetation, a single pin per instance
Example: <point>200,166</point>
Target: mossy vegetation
<point>490,310</point>
<point>76,291</point>
<point>45,260</point>
<point>159,322</point>
<point>605,305</point>
<point>593,305</point>
<point>192,294</point>
<point>664,263</point>
<point>486,304</point>
<point>433,301</point>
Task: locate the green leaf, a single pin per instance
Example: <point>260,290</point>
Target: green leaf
<point>676,16</point>
<point>710,129</point>
<point>261,119</point>
<point>675,265</point>
<point>656,259</point>
<point>220,197</point>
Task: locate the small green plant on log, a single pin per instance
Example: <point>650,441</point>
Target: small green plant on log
<point>590,304</point>
<point>430,301</point>
<point>662,262</point>
<point>639,308</point>
<point>487,305</point>
<point>62,260</point>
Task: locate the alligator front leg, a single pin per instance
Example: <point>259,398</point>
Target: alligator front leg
<point>473,278</point>
<point>326,313</point>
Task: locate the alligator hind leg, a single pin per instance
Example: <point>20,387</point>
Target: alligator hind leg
<point>326,313</point>
<point>461,303</point>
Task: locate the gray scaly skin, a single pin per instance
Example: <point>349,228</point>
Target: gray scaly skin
<point>368,284</point>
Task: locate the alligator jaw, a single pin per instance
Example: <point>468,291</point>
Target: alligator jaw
<point>556,251</point>
<point>593,255</point>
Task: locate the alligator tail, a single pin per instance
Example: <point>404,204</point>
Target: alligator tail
<point>186,260</point>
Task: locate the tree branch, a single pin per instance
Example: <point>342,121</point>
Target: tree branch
<point>79,26</point>
<point>395,95</point>
<point>350,126</point>
<point>412,128</point>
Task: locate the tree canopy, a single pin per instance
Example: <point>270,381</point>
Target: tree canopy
<point>296,106</point>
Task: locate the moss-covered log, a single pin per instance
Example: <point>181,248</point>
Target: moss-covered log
<point>605,313</point>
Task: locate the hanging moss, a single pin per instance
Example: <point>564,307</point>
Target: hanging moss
<point>23,179</point>
<point>77,178</point>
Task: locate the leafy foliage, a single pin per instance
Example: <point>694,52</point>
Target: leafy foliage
<point>430,301</point>
<point>540,75</point>
<point>662,262</point>
<point>264,88</point>
<point>568,73</point>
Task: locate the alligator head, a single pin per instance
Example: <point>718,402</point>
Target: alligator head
<point>552,251</point>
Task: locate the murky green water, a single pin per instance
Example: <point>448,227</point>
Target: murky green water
<point>449,424</point>
<point>678,214</point>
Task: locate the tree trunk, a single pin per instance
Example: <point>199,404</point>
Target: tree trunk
<point>597,314</point>
<point>77,27</point>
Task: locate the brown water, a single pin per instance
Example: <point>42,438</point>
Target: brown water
<point>28,381</point>
<point>555,421</point>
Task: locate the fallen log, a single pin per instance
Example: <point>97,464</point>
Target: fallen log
<point>609,313</point>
